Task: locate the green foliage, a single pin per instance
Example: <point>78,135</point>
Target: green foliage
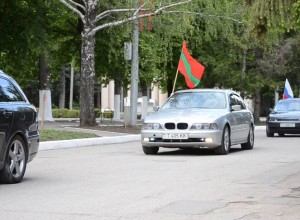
<point>97,112</point>
<point>60,113</point>
<point>72,114</point>
<point>55,135</point>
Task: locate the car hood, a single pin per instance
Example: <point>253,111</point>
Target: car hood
<point>286,115</point>
<point>185,115</point>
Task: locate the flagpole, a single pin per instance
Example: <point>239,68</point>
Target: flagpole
<point>175,81</point>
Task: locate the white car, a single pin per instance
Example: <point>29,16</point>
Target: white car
<point>199,118</point>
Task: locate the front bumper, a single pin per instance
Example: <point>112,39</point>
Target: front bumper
<point>196,139</point>
<point>33,143</point>
<point>275,127</point>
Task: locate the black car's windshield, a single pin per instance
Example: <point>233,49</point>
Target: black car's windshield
<point>209,100</point>
<point>287,106</point>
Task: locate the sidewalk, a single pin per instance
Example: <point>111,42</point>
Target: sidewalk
<point>72,124</point>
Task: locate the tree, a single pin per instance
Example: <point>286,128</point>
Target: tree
<point>268,20</point>
<point>91,16</point>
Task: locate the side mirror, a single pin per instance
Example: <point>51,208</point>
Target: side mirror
<point>155,108</point>
<point>270,109</point>
<point>236,108</point>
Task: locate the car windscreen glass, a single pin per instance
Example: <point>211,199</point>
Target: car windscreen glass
<point>208,100</point>
<point>287,106</point>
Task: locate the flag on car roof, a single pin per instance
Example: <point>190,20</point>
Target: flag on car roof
<point>287,92</point>
<point>190,68</point>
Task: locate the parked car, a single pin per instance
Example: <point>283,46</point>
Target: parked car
<point>199,118</point>
<point>284,118</point>
<point>19,137</point>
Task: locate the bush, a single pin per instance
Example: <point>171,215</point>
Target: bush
<point>66,113</point>
<point>97,112</point>
<point>72,114</point>
<point>60,113</point>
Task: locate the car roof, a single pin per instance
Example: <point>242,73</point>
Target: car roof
<point>228,91</point>
<point>290,100</point>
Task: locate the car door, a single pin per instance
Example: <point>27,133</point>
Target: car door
<point>245,124</point>
<point>6,120</point>
<point>237,118</point>
<point>234,119</point>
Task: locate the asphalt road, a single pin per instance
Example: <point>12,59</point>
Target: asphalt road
<point>119,182</point>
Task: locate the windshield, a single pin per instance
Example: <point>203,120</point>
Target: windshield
<point>208,100</point>
<point>287,106</point>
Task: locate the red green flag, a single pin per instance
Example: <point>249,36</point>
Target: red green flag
<point>190,68</point>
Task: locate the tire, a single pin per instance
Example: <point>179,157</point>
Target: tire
<point>224,148</point>
<point>15,161</point>
<point>150,150</point>
<point>268,133</point>
<point>250,140</point>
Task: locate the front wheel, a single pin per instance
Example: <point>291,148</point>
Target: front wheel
<point>15,161</point>
<point>225,145</point>
<point>250,140</point>
<point>150,150</point>
<point>269,133</point>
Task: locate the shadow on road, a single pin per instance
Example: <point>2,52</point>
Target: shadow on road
<point>194,152</point>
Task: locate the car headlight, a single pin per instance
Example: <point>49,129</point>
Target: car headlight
<point>151,126</point>
<point>206,126</point>
<point>272,119</point>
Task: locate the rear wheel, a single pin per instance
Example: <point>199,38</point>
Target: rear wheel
<point>250,140</point>
<point>225,145</point>
<point>15,161</point>
<point>150,150</point>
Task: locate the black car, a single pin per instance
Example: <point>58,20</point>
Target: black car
<point>19,136</point>
<point>285,118</point>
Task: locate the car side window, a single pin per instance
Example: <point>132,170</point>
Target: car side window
<point>8,93</point>
<point>233,100</point>
<point>236,100</point>
<point>241,103</point>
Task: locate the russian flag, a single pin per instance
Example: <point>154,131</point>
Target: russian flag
<point>287,92</point>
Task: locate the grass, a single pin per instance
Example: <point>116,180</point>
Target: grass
<point>55,135</point>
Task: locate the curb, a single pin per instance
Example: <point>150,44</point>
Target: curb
<point>87,142</point>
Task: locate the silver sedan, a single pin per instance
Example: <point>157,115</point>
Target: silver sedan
<point>199,118</point>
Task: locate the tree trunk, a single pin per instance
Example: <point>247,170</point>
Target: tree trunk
<point>44,73</point>
<point>62,89</point>
<point>87,79</point>
<point>144,98</point>
<point>45,105</point>
<point>257,106</point>
<point>244,68</point>
<point>258,57</point>
<point>117,99</point>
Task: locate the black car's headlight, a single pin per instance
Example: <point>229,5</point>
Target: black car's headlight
<point>204,126</point>
<point>151,126</point>
<point>272,119</point>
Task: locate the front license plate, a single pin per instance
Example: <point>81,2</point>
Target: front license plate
<point>175,136</point>
<point>287,125</point>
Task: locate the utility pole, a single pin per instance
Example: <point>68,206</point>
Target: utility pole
<point>71,87</point>
<point>134,71</point>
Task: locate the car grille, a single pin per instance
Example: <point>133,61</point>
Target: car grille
<point>287,119</point>
<point>179,141</point>
<point>179,126</point>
